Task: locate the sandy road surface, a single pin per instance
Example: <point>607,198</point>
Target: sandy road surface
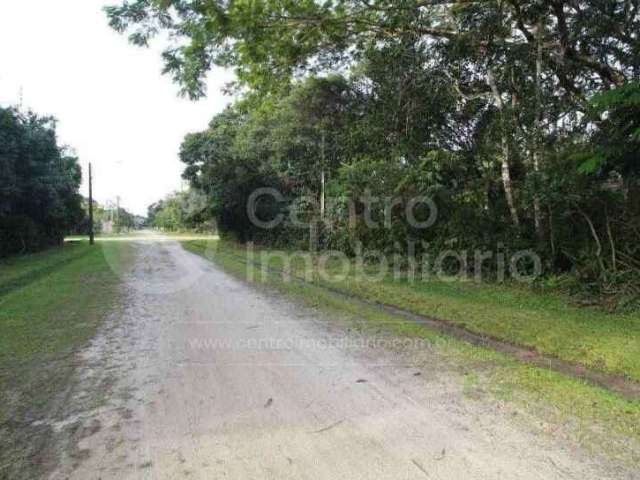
<point>205,377</point>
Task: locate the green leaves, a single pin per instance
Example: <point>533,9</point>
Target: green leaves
<point>616,137</point>
<point>625,96</point>
<point>508,112</point>
<point>591,164</point>
<point>39,200</point>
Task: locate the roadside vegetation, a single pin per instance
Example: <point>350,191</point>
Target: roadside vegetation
<point>544,400</point>
<point>519,120</point>
<point>188,211</point>
<point>51,304</point>
<point>39,183</point>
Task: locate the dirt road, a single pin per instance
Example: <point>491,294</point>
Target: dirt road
<point>202,376</point>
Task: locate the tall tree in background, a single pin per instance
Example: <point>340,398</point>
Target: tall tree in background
<point>39,200</point>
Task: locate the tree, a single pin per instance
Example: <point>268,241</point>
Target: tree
<point>39,200</point>
<point>188,210</point>
<point>586,44</point>
<point>519,117</point>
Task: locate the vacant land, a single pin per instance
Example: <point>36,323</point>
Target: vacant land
<point>590,414</point>
<point>51,304</point>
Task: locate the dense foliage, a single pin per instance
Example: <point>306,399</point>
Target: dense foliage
<point>519,119</point>
<point>39,182</point>
<point>109,219</point>
<point>182,211</point>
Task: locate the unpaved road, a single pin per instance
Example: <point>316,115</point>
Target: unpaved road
<point>204,377</point>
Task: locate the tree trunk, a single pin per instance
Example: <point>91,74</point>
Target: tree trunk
<point>537,210</point>
<point>507,183</point>
<point>322,179</point>
<point>506,152</point>
<point>322,194</point>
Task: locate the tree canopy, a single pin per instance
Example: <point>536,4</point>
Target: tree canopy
<point>582,44</point>
<point>39,200</point>
<point>519,118</point>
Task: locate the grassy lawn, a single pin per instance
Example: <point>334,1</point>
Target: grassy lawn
<point>51,305</point>
<point>105,236</point>
<point>601,341</point>
<point>549,401</point>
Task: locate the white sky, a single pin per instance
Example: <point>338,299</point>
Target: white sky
<point>113,105</point>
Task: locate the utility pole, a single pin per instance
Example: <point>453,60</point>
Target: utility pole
<point>118,213</point>
<point>91,235</point>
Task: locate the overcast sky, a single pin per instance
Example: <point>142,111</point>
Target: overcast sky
<point>113,105</point>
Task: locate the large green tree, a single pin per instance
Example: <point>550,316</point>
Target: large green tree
<point>39,200</point>
<point>519,117</point>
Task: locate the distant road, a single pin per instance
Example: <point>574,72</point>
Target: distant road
<point>205,377</point>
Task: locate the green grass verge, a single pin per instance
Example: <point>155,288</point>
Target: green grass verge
<point>51,305</point>
<point>144,235</point>
<point>104,236</point>
<point>547,400</point>
<point>601,341</point>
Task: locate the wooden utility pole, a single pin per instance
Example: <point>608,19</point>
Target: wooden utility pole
<point>91,235</point>
<point>117,214</point>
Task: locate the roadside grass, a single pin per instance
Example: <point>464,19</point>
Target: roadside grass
<point>21,270</point>
<point>545,322</point>
<point>144,235</point>
<point>545,400</point>
<point>188,233</point>
<point>601,341</point>
<point>104,236</point>
<point>51,305</point>
<point>185,236</point>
